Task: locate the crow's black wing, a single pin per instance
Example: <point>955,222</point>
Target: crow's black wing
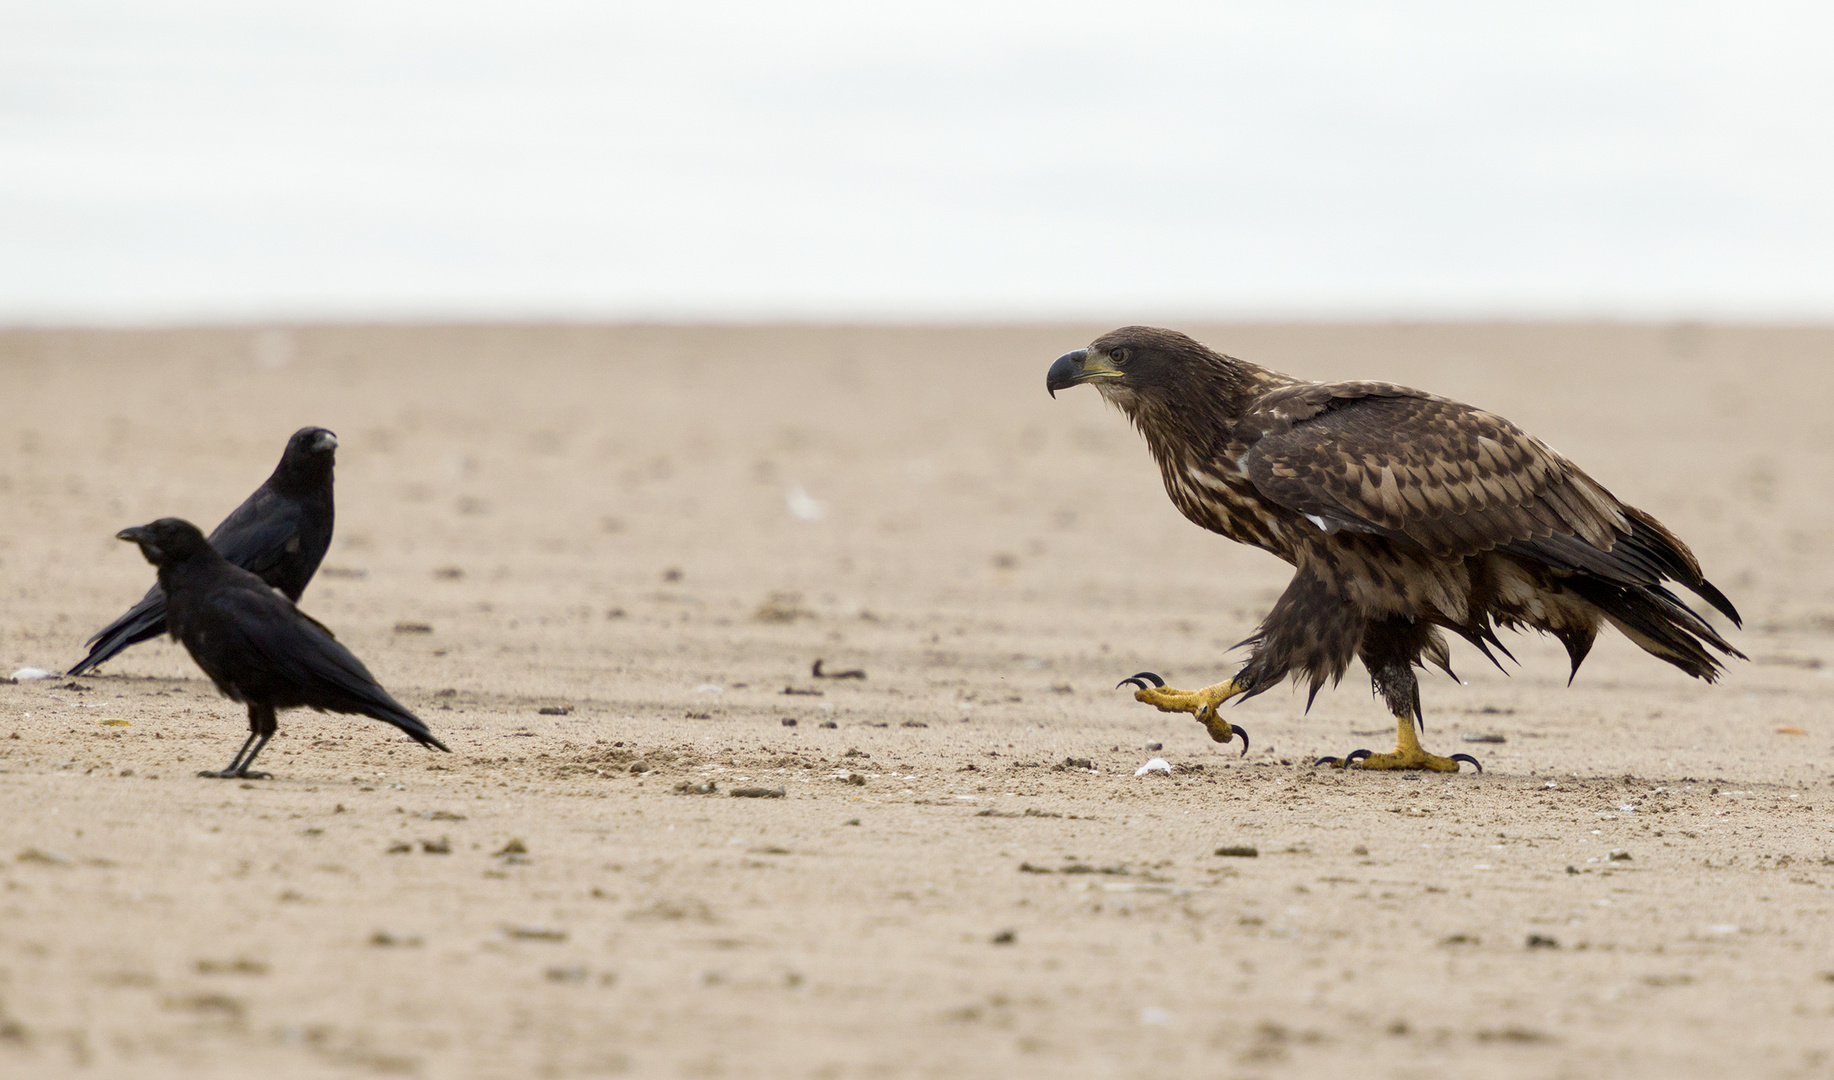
<point>255,536</point>
<point>278,537</point>
<point>256,641</point>
<point>144,620</point>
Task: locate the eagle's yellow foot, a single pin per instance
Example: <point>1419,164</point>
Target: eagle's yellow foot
<point>1408,754</point>
<point>1199,703</point>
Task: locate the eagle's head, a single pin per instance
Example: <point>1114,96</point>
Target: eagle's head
<point>1139,366</point>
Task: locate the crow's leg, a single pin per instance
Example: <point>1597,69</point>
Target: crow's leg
<point>235,763</point>
<point>261,727</point>
<point>244,772</point>
<point>261,718</point>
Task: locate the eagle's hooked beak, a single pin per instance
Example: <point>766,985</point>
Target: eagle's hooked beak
<point>1078,367</point>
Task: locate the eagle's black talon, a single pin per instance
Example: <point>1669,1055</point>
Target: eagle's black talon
<point>1355,756</point>
<point>1243,734</point>
<point>1468,757</point>
<point>1335,763</point>
<point>1135,680</point>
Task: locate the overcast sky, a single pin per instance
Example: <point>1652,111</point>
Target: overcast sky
<point>165,161</point>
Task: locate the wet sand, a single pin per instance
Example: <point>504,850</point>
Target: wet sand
<point>601,561</point>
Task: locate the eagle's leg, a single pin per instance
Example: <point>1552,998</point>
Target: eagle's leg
<point>1311,629</point>
<point>1408,754</point>
<point>1389,651</point>
<point>1199,703</point>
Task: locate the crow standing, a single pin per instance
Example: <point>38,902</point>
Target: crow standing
<point>255,645</point>
<point>279,533</point>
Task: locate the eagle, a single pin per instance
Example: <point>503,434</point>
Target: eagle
<point>1405,516</point>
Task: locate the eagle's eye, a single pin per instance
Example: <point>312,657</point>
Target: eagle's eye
<point>1118,357</point>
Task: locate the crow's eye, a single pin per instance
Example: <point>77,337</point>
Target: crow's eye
<point>1118,357</point>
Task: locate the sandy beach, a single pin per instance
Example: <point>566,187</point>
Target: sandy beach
<point>601,562</point>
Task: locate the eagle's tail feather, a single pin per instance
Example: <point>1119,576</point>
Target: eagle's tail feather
<point>1659,623</point>
<point>1645,556</point>
<point>1650,540</point>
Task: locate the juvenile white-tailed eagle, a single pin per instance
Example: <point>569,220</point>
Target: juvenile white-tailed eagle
<point>1404,514</point>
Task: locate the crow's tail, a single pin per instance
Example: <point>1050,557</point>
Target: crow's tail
<point>390,711</point>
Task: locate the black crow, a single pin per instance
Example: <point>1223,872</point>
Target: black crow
<point>279,533</point>
<point>255,645</point>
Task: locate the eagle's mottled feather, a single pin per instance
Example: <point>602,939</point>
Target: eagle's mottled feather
<point>1404,513</point>
<point>1455,480</point>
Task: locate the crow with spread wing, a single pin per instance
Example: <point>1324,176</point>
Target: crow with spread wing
<point>1404,515</point>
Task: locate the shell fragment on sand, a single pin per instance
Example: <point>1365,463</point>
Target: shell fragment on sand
<point>803,506</point>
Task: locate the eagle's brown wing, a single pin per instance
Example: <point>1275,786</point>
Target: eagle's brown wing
<point>1452,479</point>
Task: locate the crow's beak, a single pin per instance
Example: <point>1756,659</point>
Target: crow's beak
<point>1078,367</point>
<point>143,535</point>
<point>323,441</point>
